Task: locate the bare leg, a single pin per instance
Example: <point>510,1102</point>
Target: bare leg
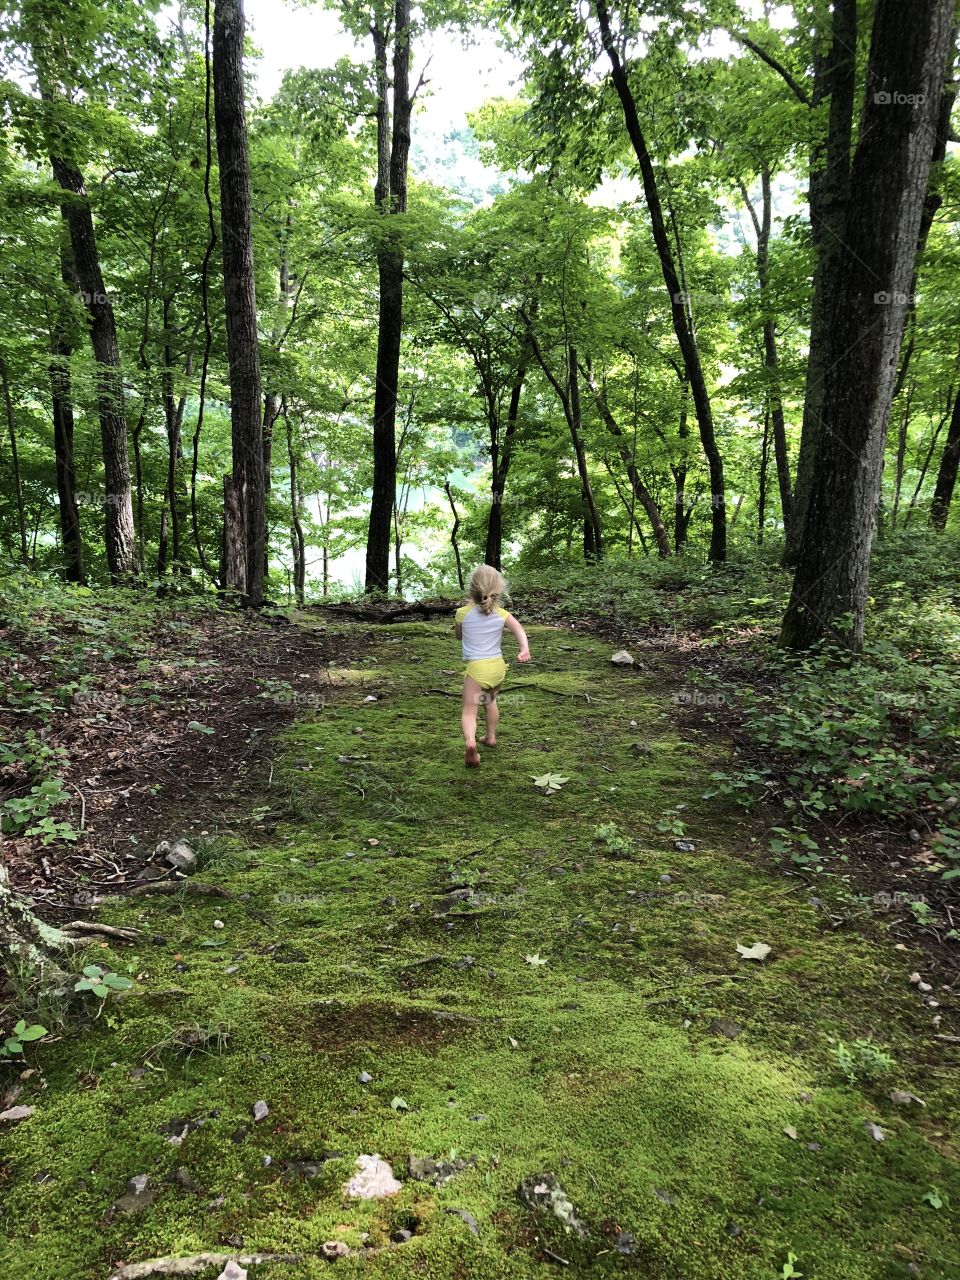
<point>468,720</point>
<point>491,710</point>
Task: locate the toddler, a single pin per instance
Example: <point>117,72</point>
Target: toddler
<point>480,627</point>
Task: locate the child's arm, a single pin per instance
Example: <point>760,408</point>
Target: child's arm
<point>515,628</point>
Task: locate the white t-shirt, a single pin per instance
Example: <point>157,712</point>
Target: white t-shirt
<point>481,632</point>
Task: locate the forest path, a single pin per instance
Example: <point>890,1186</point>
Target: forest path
<point>526,997</point>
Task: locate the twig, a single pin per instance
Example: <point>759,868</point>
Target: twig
<point>83,805</point>
<point>175,886</point>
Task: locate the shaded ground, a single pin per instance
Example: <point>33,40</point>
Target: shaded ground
<point>534,984</point>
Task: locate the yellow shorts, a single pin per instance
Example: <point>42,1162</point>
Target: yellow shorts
<point>489,673</point>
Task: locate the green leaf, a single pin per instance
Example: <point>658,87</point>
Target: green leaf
<point>399,1104</point>
<point>198,727</point>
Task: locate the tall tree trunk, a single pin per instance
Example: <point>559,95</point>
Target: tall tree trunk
<point>762,226</point>
<point>947,475</point>
<point>905,74</point>
<point>828,198</point>
<point>762,498</point>
<point>390,195</point>
<point>682,326</point>
<point>247,492</point>
<point>593,540</point>
<point>297,541</point>
<point>640,492</point>
<point>901,454</point>
<point>61,349</point>
<point>14,461</point>
<point>119,535</point>
<point>453,535</point>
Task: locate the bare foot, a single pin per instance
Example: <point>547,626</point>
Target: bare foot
<point>488,741</point>
<point>472,758</point>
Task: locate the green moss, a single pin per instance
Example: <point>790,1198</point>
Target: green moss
<point>352,954</point>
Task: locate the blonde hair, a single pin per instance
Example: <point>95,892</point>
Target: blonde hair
<point>486,587</point>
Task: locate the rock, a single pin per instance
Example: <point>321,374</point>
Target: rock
<point>364,1077</point>
<point>424,1169</point>
<point>464,1216</point>
<point>181,1178</point>
<point>373,1180</point>
<point>181,857</point>
<point>724,1027</point>
<point>401,1236</point>
<point>451,900</point>
<point>685,846</point>
<point>137,1196</point>
<point>544,1192</point>
<point>233,1271</point>
<point>334,1249</point>
<point>641,749</point>
<point>666,879</point>
<point>901,1098</point>
<point>624,1243</point>
<point>733,1229</point>
<point>15,1114</point>
<point>260,1110</point>
<point>622,659</point>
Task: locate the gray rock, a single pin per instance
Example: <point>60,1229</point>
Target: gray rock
<point>182,1178</point>
<point>260,1110</point>
<point>622,659</point>
<point>334,1249</point>
<point>180,856</point>
<point>364,1077</point>
<point>137,1196</point>
<point>425,1169</point>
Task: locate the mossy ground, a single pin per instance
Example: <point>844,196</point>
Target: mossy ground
<point>598,1066</point>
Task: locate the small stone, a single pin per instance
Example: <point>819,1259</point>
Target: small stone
<point>622,659</point>
<point>334,1249</point>
<point>543,1191</point>
<point>733,1229</point>
<point>180,856</point>
<point>401,1236</point>
<point>260,1110</point>
<point>685,846</point>
<point>666,879</point>
<point>182,1178</point>
<point>364,1077</point>
<point>218,924</point>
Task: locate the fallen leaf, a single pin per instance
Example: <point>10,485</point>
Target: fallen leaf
<point>399,1104</point>
<point>550,782</point>
<point>790,1131</point>
<point>535,960</point>
<point>759,951</point>
<point>874,1131</point>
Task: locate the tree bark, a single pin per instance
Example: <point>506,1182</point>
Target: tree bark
<point>828,197</point>
<point>390,196</point>
<point>61,349</point>
<point>908,58</point>
<point>683,329</point>
<point>14,461</point>
<point>947,474</point>
<point>119,535</point>
<point>297,540</point>
<point>247,491</point>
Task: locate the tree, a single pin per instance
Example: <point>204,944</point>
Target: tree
<point>908,55</point>
<point>244,489</point>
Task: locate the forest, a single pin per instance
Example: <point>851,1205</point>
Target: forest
<point>308,312</point>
